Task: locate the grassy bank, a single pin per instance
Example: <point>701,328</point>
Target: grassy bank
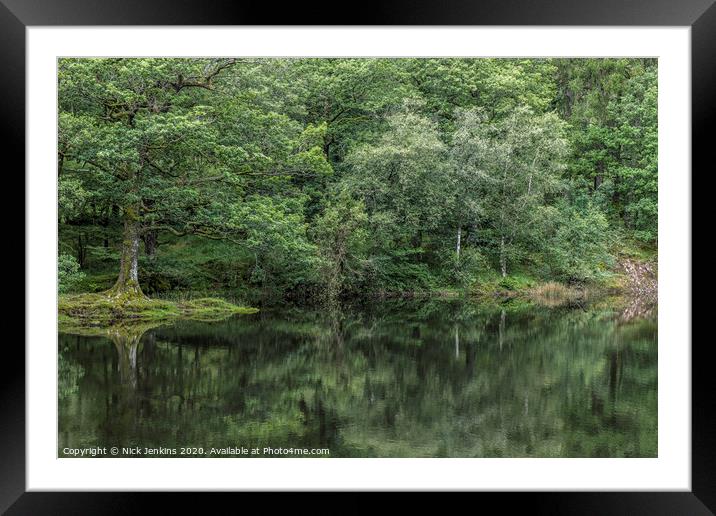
<point>98,309</point>
<point>546,293</point>
<point>633,272</point>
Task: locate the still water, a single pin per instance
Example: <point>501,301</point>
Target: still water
<point>398,379</point>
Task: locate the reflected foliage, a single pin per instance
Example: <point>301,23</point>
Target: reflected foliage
<point>399,379</point>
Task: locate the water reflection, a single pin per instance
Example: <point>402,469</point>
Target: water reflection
<point>437,379</point>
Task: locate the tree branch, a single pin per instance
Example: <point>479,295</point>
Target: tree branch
<point>204,82</point>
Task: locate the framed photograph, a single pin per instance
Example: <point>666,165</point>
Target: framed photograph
<point>445,248</point>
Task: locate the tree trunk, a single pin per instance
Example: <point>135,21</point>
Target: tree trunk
<point>81,250</point>
<point>503,257</point>
<point>150,243</point>
<point>532,170</point>
<point>457,247</point>
<point>128,279</point>
<point>599,176</point>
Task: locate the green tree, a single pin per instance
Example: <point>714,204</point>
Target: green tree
<point>341,234</point>
<point>405,182</point>
<point>275,235</point>
<point>611,105</point>
<point>577,243</point>
<point>635,115</point>
<point>171,144</point>
<point>516,165</point>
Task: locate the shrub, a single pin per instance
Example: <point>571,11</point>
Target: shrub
<point>396,272</point>
<point>69,274</point>
<point>515,282</point>
<point>465,271</point>
<point>578,250</point>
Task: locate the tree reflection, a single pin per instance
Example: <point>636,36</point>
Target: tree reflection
<point>444,379</point>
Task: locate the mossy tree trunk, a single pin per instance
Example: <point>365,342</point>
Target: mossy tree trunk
<point>127,284</point>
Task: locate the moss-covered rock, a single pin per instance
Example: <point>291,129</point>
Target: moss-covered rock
<point>211,309</point>
<point>103,309</point>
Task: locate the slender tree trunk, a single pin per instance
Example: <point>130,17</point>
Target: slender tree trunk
<point>128,278</point>
<point>503,257</point>
<point>81,250</point>
<point>532,169</point>
<point>457,247</point>
<point>104,222</point>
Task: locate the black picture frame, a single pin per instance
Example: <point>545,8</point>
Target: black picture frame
<point>700,15</point>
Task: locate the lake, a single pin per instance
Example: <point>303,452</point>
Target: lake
<point>431,378</point>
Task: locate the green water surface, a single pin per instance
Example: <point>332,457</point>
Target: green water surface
<point>396,379</point>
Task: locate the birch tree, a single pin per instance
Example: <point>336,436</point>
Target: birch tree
<point>514,166</point>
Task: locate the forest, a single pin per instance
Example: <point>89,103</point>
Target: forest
<point>321,181</point>
<point>426,257</point>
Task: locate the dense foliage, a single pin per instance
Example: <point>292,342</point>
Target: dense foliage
<point>327,178</point>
